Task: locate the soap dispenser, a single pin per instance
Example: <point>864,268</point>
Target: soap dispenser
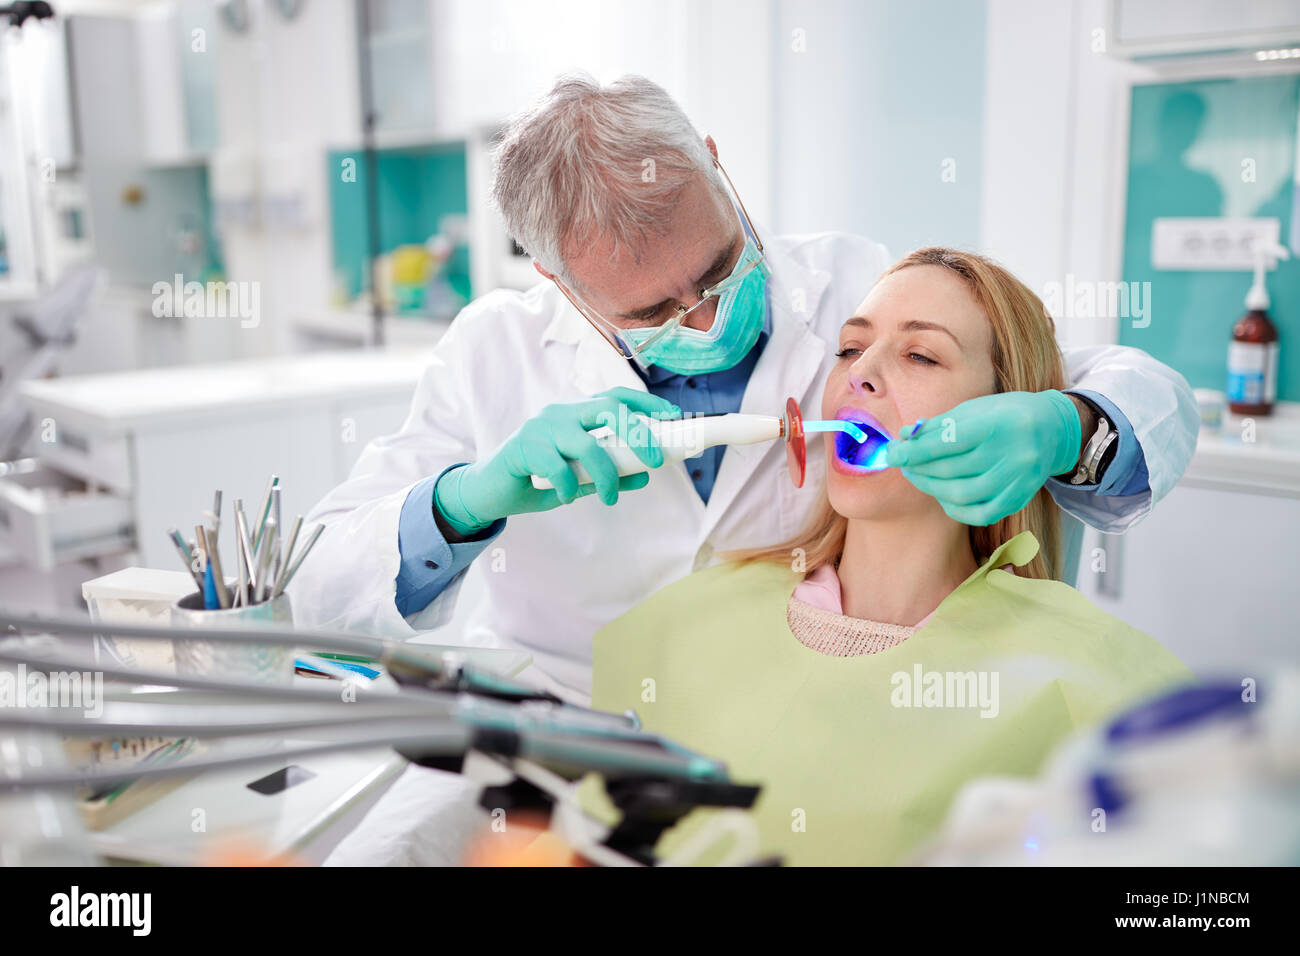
<point>1253,352</point>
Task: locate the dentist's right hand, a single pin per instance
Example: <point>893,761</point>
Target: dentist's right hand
<point>472,497</point>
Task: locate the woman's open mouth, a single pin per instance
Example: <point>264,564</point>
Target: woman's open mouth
<point>862,456</point>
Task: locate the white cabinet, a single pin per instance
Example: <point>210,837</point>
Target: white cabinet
<point>401,72</point>
<point>309,448</point>
<point>1174,27</point>
<point>1213,573</point>
<point>48,518</point>
<point>176,59</point>
<point>160,442</point>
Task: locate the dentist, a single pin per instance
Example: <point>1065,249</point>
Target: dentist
<point>662,297</point>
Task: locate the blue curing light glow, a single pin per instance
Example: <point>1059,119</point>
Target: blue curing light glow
<point>867,455</point>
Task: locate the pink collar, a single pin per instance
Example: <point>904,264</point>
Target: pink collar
<point>821,589</point>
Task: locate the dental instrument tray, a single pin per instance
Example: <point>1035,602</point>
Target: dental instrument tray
<point>103,806</point>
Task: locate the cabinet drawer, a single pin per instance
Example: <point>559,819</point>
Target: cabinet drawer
<point>103,460</point>
<point>47,518</point>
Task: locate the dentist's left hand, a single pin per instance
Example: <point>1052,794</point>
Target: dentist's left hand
<point>988,457</point>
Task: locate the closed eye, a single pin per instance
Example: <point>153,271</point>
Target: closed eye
<point>657,317</point>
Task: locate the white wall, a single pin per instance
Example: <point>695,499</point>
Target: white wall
<point>286,91</point>
<point>1027,120</point>
<point>730,92</point>
<point>492,58</point>
<point>1055,149</point>
<point>882,99</point>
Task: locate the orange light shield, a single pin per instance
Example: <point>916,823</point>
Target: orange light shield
<point>796,448</point>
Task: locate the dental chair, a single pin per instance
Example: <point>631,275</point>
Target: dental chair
<point>46,330</point>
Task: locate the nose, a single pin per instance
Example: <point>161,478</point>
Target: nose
<point>865,375</point>
<point>701,316</point>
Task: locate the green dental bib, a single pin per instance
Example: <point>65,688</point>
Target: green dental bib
<point>860,757</point>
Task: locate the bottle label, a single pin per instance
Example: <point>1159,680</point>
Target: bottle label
<point>1270,374</point>
<point>1252,373</point>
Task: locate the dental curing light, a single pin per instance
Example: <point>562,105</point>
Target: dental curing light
<point>684,438</point>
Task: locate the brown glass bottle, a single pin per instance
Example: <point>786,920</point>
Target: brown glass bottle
<point>1252,364</point>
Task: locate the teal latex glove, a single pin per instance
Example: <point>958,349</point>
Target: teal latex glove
<point>472,497</point>
<point>988,457</point>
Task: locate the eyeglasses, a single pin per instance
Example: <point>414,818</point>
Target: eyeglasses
<point>707,296</point>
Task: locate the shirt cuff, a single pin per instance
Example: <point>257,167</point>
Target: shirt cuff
<point>1127,472</point>
<point>429,562</point>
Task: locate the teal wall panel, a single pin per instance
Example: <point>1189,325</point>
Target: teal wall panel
<point>1222,147</point>
<point>417,187</point>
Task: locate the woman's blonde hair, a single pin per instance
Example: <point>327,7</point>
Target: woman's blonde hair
<point>1026,358</point>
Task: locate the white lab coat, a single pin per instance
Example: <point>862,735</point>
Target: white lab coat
<point>552,579</point>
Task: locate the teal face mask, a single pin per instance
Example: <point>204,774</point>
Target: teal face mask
<point>736,326</point>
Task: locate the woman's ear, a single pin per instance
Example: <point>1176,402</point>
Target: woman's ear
<point>713,147</point>
<point>544,274</point>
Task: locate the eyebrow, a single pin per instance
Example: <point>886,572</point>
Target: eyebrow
<point>911,325</point>
<point>719,264</point>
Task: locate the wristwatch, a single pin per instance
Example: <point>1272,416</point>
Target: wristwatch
<point>1099,451</point>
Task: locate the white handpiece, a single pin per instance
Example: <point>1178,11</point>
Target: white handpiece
<point>678,439</point>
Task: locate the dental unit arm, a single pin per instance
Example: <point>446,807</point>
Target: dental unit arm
<point>683,438</point>
<point>524,749</point>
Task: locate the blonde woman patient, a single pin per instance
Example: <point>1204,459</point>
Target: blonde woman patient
<point>867,669</point>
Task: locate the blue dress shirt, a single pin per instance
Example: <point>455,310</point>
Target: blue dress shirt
<point>715,393</point>
<point>1127,472</point>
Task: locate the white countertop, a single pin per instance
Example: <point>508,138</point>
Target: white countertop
<point>122,401</point>
<point>286,823</point>
<point>356,325</point>
<point>1228,459</point>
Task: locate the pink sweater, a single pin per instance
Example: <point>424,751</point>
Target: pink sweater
<point>822,589</point>
<point>816,618</point>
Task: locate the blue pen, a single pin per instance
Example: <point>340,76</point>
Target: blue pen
<point>210,602</point>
